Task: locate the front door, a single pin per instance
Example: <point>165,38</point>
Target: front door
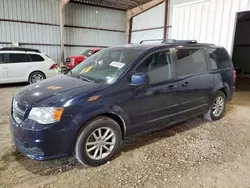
<point>195,82</point>
<point>3,69</point>
<point>154,105</point>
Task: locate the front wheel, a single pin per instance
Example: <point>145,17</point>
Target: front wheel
<point>98,142</point>
<point>218,107</point>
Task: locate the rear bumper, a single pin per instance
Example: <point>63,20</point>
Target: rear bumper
<point>230,97</point>
<point>51,73</point>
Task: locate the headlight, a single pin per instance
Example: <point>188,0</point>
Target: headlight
<point>45,115</point>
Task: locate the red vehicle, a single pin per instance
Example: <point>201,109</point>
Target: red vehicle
<point>72,61</point>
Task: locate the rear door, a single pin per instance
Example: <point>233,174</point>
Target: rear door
<point>18,67</point>
<point>195,83</point>
<point>3,69</point>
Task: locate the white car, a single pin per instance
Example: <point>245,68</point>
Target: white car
<point>25,65</point>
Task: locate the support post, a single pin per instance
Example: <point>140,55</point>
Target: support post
<point>62,4</point>
<point>165,20</point>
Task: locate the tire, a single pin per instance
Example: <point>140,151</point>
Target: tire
<point>35,77</point>
<point>219,98</point>
<point>89,138</point>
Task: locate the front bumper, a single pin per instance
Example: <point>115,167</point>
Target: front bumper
<point>44,144</point>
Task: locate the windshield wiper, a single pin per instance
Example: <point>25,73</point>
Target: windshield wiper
<point>81,77</point>
<point>85,78</point>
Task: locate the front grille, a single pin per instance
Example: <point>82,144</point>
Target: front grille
<point>18,111</point>
<point>68,60</point>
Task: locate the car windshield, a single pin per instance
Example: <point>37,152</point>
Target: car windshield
<point>87,53</point>
<point>107,65</point>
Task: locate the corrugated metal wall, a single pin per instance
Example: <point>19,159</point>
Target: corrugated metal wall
<point>171,4</point>
<point>149,24</point>
<point>210,21</point>
<point>33,23</point>
<point>92,26</point>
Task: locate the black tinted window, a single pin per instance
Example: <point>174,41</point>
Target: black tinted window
<point>2,58</point>
<point>17,58</point>
<point>219,58</point>
<point>35,58</point>
<point>190,61</point>
<point>158,67</point>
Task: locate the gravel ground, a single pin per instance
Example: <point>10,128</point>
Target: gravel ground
<point>192,154</point>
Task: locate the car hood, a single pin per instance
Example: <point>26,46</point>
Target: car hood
<point>76,56</point>
<point>54,90</point>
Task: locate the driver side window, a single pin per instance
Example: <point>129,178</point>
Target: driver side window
<point>158,66</point>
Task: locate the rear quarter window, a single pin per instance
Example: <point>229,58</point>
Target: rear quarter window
<point>35,58</point>
<point>219,58</point>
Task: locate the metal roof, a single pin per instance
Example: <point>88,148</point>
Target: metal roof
<point>115,4</point>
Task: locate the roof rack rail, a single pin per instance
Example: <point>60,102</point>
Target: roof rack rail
<point>152,40</point>
<point>171,41</point>
<point>19,49</point>
<point>186,41</point>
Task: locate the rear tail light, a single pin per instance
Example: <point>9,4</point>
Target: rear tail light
<point>234,75</point>
<point>54,66</point>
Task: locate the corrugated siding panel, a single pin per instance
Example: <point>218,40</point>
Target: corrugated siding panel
<point>30,10</point>
<point>92,16</point>
<point>5,45</point>
<point>29,33</point>
<point>210,21</point>
<point>136,37</point>
<point>95,17</point>
<point>51,51</point>
<point>171,4</point>
<point>151,18</point>
<point>76,36</point>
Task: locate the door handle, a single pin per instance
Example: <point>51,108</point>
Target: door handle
<point>186,84</point>
<point>172,87</point>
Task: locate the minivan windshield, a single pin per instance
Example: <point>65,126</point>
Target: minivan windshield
<point>106,65</point>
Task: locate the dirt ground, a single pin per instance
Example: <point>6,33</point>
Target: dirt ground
<point>194,154</point>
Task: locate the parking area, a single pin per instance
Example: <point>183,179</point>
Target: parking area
<point>193,154</point>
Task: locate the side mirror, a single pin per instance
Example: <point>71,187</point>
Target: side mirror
<point>139,79</point>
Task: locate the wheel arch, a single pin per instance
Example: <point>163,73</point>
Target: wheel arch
<point>117,118</point>
<point>224,87</point>
<point>36,71</point>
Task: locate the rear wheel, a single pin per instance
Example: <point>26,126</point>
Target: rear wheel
<point>35,77</point>
<point>98,142</point>
<point>218,107</point>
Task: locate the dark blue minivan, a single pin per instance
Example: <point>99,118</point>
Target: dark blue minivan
<point>120,92</point>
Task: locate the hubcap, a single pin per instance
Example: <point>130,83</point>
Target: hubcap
<point>36,78</point>
<point>218,106</point>
<point>100,143</point>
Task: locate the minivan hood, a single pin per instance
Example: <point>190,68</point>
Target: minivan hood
<point>59,88</point>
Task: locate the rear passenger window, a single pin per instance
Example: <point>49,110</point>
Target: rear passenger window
<point>17,58</point>
<point>158,66</point>
<point>219,58</point>
<point>35,58</point>
<point>190,61</point>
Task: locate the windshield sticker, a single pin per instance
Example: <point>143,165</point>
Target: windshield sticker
<point>117,64</point>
